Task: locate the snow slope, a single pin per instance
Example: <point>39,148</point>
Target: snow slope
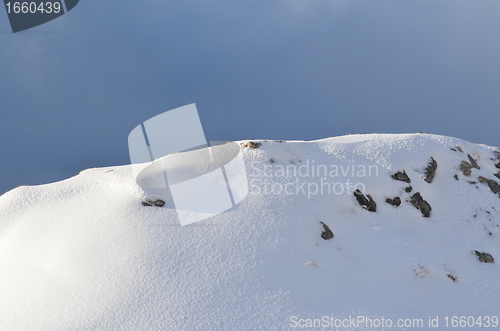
<point>85,254</point>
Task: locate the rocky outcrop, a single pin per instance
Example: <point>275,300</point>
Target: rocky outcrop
<point>327,234</point>
<point>485,257</point>
<point>430,171</point>
<point>366,202</point>
<point>493,185</point>
<point>421,204</point>
<point>402,176</point>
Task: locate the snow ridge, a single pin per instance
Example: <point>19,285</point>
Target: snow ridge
<point>86,254</point>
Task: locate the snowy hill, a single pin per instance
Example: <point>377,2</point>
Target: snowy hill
<point>86,254</point>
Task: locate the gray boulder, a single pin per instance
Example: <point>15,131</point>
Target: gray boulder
<point>402,176</point>
<point>466,168</point>
<point>418,202</point>
<point>327,234</point>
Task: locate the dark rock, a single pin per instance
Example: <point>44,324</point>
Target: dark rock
<point>251,144</point>
<point>408,189</point>
<point>497,165</point>
<point>473,162</point>
<point>365,201</point>
<point>485,257</point>
<point>402,176</point>
<point>497,175</point>
<point>456,177</point>
<point>156,203</point>
<point>430,171</point>
<point>421,204</point>
<point>327,234</point>
<point>466,168</point>
<point>159,203</point>
<point>453,278</point>
<point>493,185</point>
<point>395,202</point>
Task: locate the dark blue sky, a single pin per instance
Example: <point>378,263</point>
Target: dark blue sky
<point>72,89</point>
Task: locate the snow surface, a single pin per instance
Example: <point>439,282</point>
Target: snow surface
<point>85,254</point>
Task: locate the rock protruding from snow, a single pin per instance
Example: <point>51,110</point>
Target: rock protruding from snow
<point>430,171</point>
<point>251,144</point>
<point>156,203</point>
<point>466,167</point>
<point>421,204</point>
<point>493,185</point>
<point>394,202</point>
<point>327,233</point>
<point>485,257</point>
<point>366,202</point>
<point>473,162</point>
<point>402,176</point>
<point>497,165</point>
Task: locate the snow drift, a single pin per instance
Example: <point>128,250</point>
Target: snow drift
<point>85,254</point>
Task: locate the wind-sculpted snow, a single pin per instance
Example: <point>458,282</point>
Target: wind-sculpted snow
<point>86,254</point>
